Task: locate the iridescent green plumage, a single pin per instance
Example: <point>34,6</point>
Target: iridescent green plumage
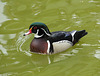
<point>40,25</point>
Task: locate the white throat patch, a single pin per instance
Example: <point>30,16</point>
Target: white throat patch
<point>38,36</point>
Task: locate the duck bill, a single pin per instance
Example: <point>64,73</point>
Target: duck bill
<point>27,33</point>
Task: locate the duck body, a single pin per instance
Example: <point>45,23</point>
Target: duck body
<point>46,42</point>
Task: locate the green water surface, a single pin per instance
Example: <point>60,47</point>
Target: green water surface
<point>83,59</point>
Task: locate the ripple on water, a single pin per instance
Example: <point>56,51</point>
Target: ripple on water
<point>22,43</point>
<point>4,51</point>
<point>3,40</point>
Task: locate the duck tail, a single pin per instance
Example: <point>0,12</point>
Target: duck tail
<point>78,35</point>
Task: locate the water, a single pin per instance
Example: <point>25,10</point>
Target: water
<point>83,59</point>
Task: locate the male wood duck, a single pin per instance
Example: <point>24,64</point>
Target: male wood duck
<point>46,42</point>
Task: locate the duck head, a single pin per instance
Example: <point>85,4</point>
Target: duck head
<point>39,29</point>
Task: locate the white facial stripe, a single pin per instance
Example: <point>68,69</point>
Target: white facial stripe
<point>45,32</point>
<point>38,36</point>
<point>37,31</point>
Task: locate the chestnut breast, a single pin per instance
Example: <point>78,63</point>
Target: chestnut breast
<point>39,46</point>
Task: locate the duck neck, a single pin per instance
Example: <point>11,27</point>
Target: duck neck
<point>40,34</point>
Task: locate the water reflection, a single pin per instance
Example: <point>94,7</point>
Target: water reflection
<point>97,54</point>
<point>98,21</point>
<point>28,64</point>
<point>2,16</point>
<point>23,10</point>
<point>4,40</point>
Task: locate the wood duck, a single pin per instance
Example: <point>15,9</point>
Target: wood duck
<point>46,42</point>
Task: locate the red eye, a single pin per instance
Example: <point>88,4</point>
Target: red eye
<point>35,27</point>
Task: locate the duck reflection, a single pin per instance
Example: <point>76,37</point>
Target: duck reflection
<point>42,61</point>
